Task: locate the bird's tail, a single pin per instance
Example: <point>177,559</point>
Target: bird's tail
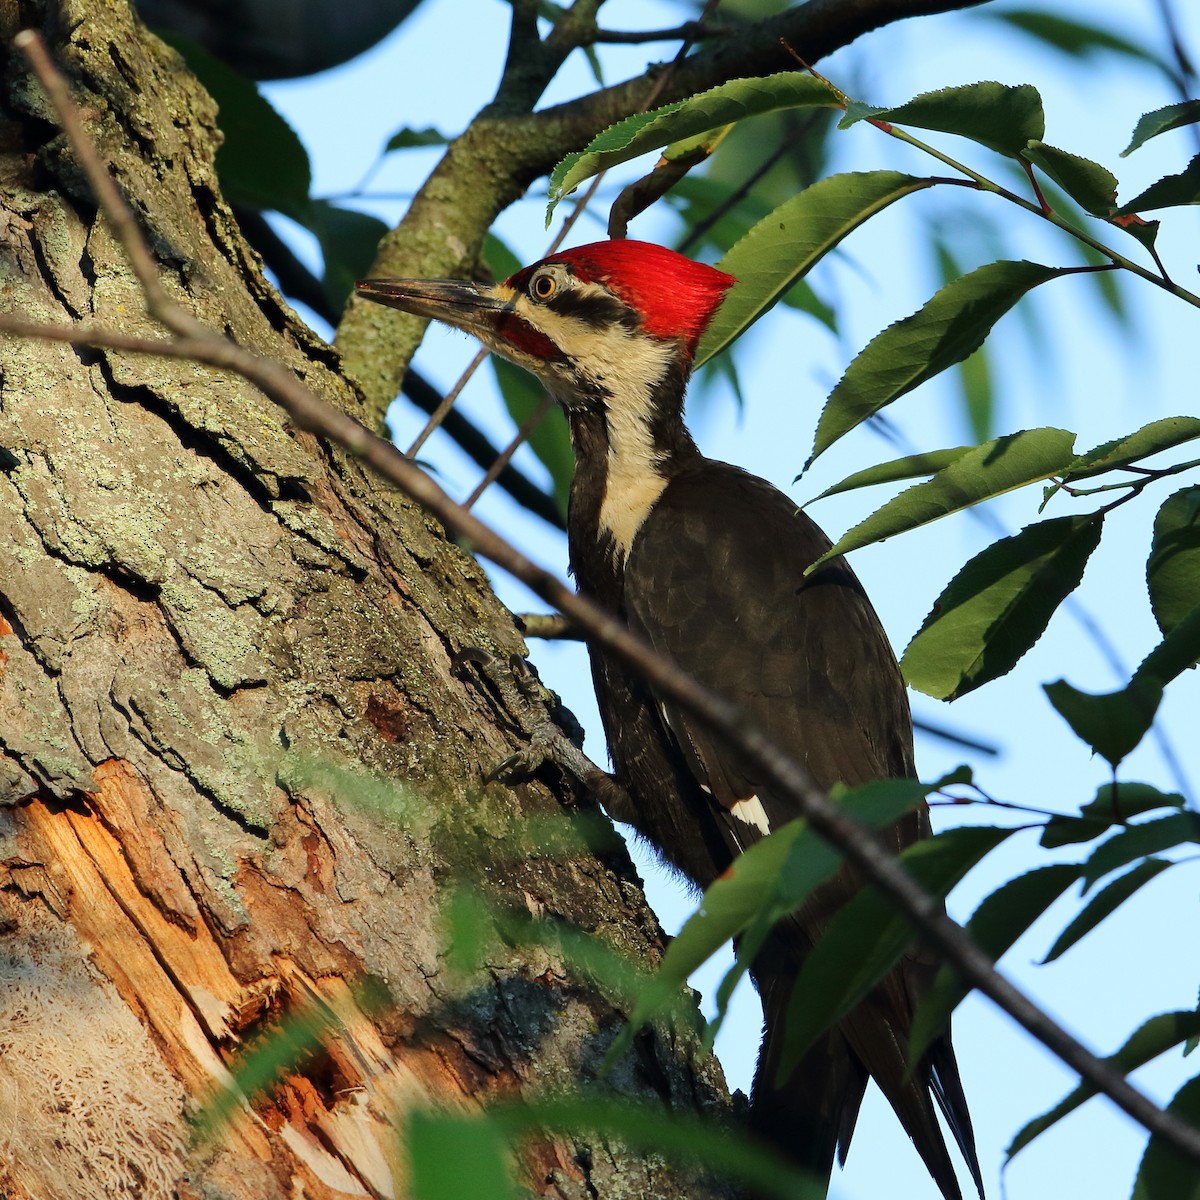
<point>811,1117</point>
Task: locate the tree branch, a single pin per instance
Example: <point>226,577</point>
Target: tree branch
<point>855,842</point>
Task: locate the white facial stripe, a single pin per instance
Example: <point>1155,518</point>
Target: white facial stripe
<point>751,812</point>
<point>625,366</point>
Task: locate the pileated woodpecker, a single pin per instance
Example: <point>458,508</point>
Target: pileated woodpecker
<point>707,563</point>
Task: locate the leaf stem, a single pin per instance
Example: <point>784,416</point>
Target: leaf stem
<point>983,183</point>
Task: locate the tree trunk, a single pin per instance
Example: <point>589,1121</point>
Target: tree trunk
<point>217,636</point>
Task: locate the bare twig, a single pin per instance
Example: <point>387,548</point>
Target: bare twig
<point>439,414</point>
<point>535,418</point>
<point>856,842</point>
<point>690,31</point>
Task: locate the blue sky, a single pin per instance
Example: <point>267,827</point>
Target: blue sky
<point>1088,374</point>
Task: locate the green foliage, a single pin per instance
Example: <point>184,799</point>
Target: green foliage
<point>1091,186</point>
<point>1168,192</point>
<point>998,606</point>
<point>948,328</point>
<point>997,923</point>
<point>700,114</point>
<point>1164,1174</point>
<point>767,882</point>
<point>262,163</point>
<point>1173,568</point>
<point>1002,118</point>
<point>1079,39</point>
<point>414,139</point>
<point>1105,902</point>
<point>980,473</point>
<point>451,1157</point>
<point>867,938</point>
<point>929,462</point>
<point>1162,120</point>
<point>780,249</point>
<point>1112,723</point>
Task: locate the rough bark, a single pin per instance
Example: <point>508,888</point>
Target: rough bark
<point>203,613</point>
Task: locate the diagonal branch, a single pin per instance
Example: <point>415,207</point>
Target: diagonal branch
<point>855,842</point>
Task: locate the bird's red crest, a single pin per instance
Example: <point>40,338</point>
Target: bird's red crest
<point>676,296</point>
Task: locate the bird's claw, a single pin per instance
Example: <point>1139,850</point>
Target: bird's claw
<point>537,711</point>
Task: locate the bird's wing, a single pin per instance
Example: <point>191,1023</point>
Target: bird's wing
<point>715,580</point>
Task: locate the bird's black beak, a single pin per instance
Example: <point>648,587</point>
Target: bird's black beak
<point>466,306</point>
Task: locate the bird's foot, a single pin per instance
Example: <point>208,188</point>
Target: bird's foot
<point>552,731</point>
<point>554,736</point>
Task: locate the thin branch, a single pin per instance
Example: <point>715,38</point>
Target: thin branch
<point>484,453</point>
<point>691,31</point>
<point>535,418</point>
<point>440,413</point>
<point>298,282</point>
<point>860,845</point>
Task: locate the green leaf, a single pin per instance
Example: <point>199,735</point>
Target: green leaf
<point>1146,232</point>
<point>764,884</point>
<point>1168,192</point>
<point>974,373</point>
<point>1150,439</point>
<point>786,243</point>
<point>1114,804</point>
<point>995,115</point>
<point>261,162</point>
<point>1091,186</point>
<point>867,937</point>
<point>998,606</point>
<point>723,105</point>
<point>1156,1036</point>
<point>1112,723</point>
<point>1177,652</point>
<point>927,463</point>
<point>984,471</point>
<point>550,439</point>
<point>409,139</point>
<point>1140,841</point>
<point>949,327</point>
<point>648,1128</point>
<point>1076,38</point>
<point>1173,568</point>
<point>451,1156</point>
<point>500,259</point>
<point>1164,1173</point>
<point>997,923</point>
<point>274,1054</point>
<point>349,242</point>
<point>1151,124</point>
<point>1104,903</point>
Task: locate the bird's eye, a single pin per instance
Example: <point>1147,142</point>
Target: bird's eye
<point>543,287</point>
